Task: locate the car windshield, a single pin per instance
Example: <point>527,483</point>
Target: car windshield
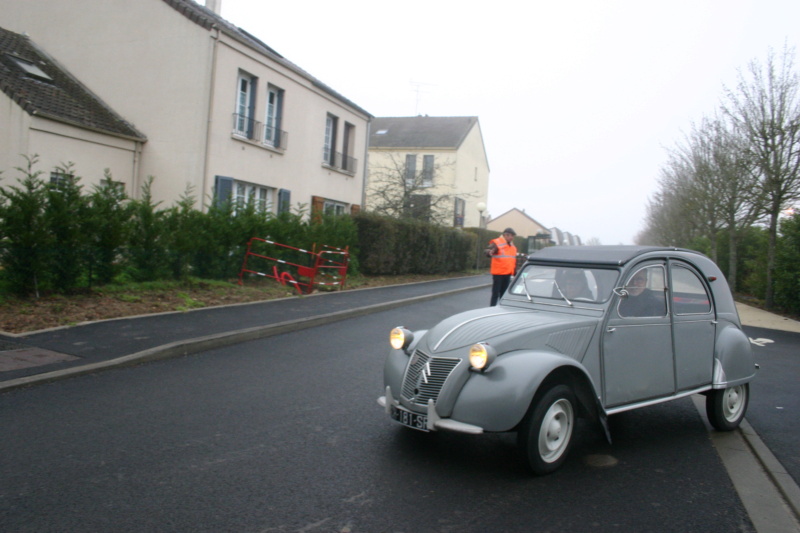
<point>568,284</point>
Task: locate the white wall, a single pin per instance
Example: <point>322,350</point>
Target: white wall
<point>154,67</point>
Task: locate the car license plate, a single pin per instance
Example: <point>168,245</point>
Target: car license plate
<point>407,418</point>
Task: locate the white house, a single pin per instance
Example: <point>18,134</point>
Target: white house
<point>212,109</point>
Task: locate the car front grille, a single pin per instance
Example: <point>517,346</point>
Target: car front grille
<point>425,377</point>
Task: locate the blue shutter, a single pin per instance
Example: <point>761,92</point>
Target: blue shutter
<point>223,189</point>
<point>284,200</point>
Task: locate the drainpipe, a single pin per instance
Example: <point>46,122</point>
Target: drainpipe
<point>209,116</point>
<point>366,165</point>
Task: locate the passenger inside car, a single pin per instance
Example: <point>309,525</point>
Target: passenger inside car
<point>572,283</point>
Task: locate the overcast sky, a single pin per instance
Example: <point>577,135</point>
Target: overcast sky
<point>577,100</point>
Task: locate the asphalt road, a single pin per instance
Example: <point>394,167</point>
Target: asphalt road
<point>775,399</point>
<point>284,434</point>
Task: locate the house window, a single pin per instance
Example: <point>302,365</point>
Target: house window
<point>427,171</point>
<point>272,122</point>
<point>331,207</point>
<point>329,151</point>
<point>245,104</point>
<point>458,213</point>
<point>244,194</point>
<point>411,170</point>
<point>248,194</point>
<point>58,180</point>
<point>418,206</point>
<point>30,69</point>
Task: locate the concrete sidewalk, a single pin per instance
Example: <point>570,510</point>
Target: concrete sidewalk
<point>758,318</point>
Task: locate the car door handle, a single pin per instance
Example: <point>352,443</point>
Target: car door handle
<point>611,330</point>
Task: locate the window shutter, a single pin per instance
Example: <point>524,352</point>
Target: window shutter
<point>284,200</point>
<point>251,111</point>
<point>223,188</point>
<point>317,208</point>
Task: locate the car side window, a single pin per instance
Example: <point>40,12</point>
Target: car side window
<point>689,295</point>
<point>644,293</point>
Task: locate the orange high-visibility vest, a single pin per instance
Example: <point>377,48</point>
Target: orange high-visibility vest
<point>505,262</point>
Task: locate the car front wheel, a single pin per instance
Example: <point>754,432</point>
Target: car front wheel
<point>725,408</point>
<point>545,437</point>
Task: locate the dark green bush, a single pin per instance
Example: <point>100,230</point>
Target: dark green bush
<point>390,246</point>
<point>107,227</point>
<point>26,239</point>
<point>66,220</point>
<point>787,266</point>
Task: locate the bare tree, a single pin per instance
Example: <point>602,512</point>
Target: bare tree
<point>396,190</point>
<point>765,107</point>
<point>672,216</point>
<point>740,198</point>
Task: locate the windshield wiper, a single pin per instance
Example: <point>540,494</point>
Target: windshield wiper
<point>525,286</point>
<point>561,293</point>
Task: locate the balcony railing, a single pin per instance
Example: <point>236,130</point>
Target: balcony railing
<point>340,161</point>
<point>244,126</point>
<point>259,132</point>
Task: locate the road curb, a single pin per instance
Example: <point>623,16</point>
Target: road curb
<point>773,468</point>
<point>219,340</point>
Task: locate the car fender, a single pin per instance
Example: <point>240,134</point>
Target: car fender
<point>394,367</point>
<point>498,398</point>
<point>733,357</point>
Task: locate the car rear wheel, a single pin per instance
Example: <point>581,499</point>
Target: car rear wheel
<point>725,408</point>
<point>545,437</point>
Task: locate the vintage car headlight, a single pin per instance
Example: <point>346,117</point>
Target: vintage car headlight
<point>400,338</point>
<point>481,356</point>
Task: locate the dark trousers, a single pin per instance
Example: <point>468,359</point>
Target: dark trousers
<point>499,285</point>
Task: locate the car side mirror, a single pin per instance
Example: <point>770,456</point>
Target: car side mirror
<point>622,292</point>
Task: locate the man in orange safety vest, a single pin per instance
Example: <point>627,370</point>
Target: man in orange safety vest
<point>504,262</point>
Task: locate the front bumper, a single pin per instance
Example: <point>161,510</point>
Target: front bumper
<point>435,422</point>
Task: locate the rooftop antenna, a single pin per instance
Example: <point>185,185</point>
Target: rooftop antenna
<point>418,89</point>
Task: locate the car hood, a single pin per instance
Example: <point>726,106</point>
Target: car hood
<point>508,328</point>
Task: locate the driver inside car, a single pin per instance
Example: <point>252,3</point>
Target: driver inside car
<point>641,301</point>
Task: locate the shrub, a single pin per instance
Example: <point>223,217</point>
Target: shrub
<point>24,230</point>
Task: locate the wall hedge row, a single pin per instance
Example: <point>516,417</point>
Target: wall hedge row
<point>390,246</point>
<point>55,238</point>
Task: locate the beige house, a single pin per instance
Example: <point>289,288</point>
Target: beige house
<point>431,167</point>
<point>221,111</point>
<point>45,110</point>
<point>524,225</point>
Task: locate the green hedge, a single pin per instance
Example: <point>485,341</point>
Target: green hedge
<point>55,239</point>
<point>390,246</point>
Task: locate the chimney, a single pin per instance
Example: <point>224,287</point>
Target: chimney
<point>214,5</point>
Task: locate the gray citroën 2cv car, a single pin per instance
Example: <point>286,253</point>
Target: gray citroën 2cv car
<point>582,331</point>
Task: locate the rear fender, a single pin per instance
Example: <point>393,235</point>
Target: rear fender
<point>498,398</point>
<point>733,357</point>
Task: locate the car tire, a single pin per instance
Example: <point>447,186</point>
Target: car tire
<point>725,408</point>
<point>545,437</point>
